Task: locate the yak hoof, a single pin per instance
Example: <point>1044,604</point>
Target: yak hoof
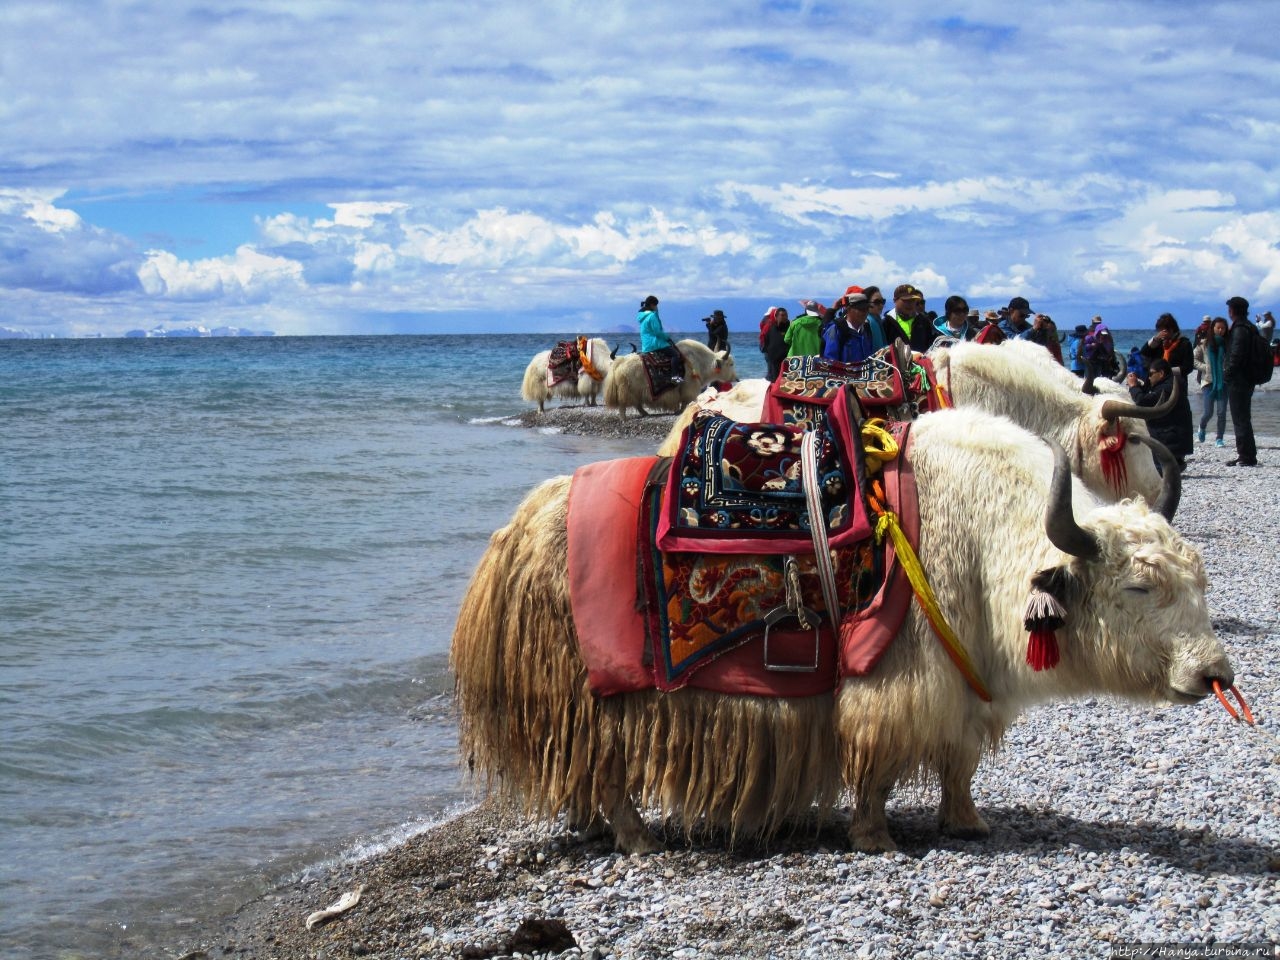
<point>873,841</point>
<point>974,829</point>
<point>638,842</point>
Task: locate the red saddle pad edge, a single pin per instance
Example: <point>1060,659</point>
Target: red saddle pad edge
<point>604,501</point>
<point>865,636</point>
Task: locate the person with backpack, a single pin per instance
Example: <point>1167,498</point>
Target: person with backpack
<point>1240,376</point>
<point>773,341</point>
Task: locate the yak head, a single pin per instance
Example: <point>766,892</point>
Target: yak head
<point>726,369</point>
<point>1133,595</point>
<point>1110,444</point>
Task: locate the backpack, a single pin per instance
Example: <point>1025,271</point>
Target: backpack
<point>1257,360</point>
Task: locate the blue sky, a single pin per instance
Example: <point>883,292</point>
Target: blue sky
<point>378,167</point>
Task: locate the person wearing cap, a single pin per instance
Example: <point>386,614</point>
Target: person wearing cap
<point>875,315</point>
<point>1075,349</point>
<point>848,338</point>
<point>1015,325</point>
<point>717,331</point>
<point>804,335</point>
<point>957,322</point>
<point>904,323</point>
<point>1239,385</point>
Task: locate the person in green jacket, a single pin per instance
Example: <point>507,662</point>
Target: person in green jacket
<point>804,336</point>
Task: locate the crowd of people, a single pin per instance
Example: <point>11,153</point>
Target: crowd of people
<point>857,325</point>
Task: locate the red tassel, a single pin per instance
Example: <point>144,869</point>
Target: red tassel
<point>1042,649</point>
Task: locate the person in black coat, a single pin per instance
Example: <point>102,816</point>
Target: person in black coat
<point>773,343</point>
<point>1174,428</point>
<point>717,331</point>
<point>1239,386</point>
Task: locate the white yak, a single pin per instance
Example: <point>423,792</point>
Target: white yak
<point>1137,626</point>
<point>534,389</point>
<point>627,386</point>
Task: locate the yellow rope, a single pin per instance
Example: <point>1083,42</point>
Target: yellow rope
<point>584,358</point>
<point>887,522</point>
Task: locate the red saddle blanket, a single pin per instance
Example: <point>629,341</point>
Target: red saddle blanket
<point>663,369</point>
<point>685,619</point>
<point>737,487</point>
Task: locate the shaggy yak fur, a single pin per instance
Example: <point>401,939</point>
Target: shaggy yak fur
<point>534,389</point>
<point>1137,626</point>
<point>627,386</point>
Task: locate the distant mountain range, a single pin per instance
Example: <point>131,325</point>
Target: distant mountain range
<point>8,333</point>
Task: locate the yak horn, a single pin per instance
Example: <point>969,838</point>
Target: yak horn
<point>1170,478</point>
<point>613,354</point>
<point>1111,409</point>
<point>1059,521</point>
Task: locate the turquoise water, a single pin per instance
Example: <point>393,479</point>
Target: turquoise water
<point>230,574</point>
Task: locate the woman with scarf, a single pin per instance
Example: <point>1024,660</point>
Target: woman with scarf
<point>1210,358</point>
<point>1173,348</point>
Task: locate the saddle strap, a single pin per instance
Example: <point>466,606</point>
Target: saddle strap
<point>818,522</point>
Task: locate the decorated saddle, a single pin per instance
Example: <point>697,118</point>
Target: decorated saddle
<point>806,386</point>
<point>657,609</point>
<point>663,369</point>
<point>563,363</point>
<point>741,487</point>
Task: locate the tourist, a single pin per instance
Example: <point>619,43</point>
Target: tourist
<point>904,323</point>
<point>1210,358</point>
<point>848,338</point>
<point>1075,349</point>
<point>957,322</point>
<point>1174,428</point>
<point>773,342</point>
<point>804,336</point>
<point>717,331</point>
<point>654,339</point>
<point>1239,383</point>
<point>1015,325</point>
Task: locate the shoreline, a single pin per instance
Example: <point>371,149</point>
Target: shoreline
<point>1111,823</point>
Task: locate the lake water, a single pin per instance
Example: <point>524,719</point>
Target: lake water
<point>231,569</point>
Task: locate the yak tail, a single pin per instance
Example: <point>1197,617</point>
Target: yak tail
<point>614,389</point>
<point>534,387</point>
<point>526,717</point>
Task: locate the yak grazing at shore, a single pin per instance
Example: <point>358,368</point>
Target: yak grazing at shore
<point>534,388</point>
<point>1137,626</point>
<point>627,386</point>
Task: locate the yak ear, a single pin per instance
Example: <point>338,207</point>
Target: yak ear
<point>1059,582</point>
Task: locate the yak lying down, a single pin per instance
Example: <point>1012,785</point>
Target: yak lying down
<point>1137,626</point>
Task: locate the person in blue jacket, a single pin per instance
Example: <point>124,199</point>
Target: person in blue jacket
<point>1075,349</point>
<point>653,338</point>
<point>849,337</point>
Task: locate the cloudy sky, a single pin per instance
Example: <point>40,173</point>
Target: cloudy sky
<point>377,167</point>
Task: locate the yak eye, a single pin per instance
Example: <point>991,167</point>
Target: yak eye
<point>1135,589</point>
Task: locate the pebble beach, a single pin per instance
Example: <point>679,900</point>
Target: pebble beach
<point>1113,824</point>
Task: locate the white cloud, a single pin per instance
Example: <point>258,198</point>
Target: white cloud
<point>245,277</point>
